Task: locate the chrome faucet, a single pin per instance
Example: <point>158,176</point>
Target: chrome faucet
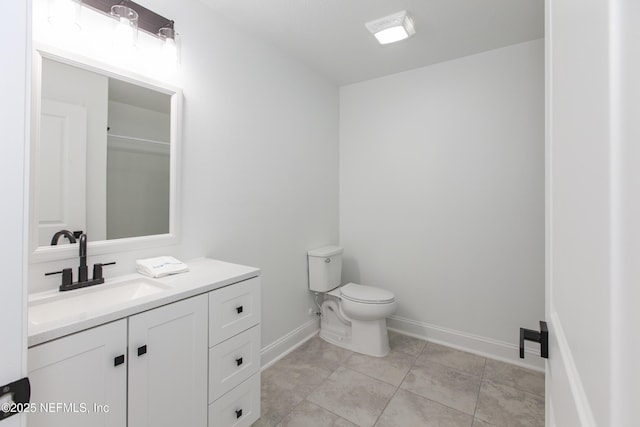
<point>83,276</point>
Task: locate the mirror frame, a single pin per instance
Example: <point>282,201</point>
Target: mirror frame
<point>50,253</point>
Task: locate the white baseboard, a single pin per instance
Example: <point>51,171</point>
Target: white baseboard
<point>482,346</point>
<point>286,344</point>
<point>476,344</point>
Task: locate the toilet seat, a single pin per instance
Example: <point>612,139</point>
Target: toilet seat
<point>366,294</point>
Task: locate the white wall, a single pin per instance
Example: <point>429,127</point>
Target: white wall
<point>259,163</point>
<point>262,179</point>
<point>442,195</point>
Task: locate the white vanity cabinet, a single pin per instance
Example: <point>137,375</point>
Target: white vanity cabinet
<point>186,355</point>
<point>166,363</point>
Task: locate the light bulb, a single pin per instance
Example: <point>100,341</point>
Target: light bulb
<point>170,50</point>
<point>123,34</point>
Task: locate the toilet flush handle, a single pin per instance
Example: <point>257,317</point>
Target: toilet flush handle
<point>327,260</point>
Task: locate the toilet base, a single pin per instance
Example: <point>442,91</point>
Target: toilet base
<point>370,337</point>
<point>367,337</point>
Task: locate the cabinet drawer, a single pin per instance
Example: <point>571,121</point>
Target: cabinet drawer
<point>233,309</point>
<point>233,361</point>
<point>238,408</point>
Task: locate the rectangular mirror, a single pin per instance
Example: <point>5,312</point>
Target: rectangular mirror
<point>104,156</point>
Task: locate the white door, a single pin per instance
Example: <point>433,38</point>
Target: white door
<point>168,365</point>
<point>87,373</point>
<point>62,171</point>
<point>593,211</point>
<point>15,47</point>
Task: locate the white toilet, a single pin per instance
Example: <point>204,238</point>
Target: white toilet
<point>353,316</point>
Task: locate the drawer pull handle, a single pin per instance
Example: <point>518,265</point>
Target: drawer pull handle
<point>119,360</point>
<point>239,309</point>
<point>142,350</point>
<point>238,413</point>
<point>239,361</point>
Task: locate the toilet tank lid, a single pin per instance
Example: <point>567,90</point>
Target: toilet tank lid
<point>325,251</point>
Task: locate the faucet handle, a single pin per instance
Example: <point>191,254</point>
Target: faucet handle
<point>97,269</point>
<point>67,276</point>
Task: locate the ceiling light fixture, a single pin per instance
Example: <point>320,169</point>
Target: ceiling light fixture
<point>392,28</point>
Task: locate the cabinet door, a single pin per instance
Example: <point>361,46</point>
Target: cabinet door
<point>168,365</point>
<point>77,380</point>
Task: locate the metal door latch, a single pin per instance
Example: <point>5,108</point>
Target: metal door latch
<point>541,337</point>
<point>20,392</point>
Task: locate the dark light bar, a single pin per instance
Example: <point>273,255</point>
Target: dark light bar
<point>148,21</point>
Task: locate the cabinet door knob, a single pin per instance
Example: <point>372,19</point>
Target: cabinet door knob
<point>119,360</point>
<point>239,309</point>
<point>142,350</point>
<point>238,413</point>
<point>239,361</point>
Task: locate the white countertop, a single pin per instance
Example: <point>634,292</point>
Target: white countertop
<point>204,275</point>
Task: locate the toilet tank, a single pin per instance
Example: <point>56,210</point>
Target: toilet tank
<point>325,268</point>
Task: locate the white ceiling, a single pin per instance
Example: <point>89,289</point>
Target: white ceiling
<point>330,36</point>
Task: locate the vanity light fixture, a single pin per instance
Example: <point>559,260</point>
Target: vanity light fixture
<point>392,28</point>
<point>169,48</point>
<point>65,14</point>
<point>126,30</point>
<point>129,18</point>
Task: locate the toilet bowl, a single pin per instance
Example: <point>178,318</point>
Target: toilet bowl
<point>353,316</point>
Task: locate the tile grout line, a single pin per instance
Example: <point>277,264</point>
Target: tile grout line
<point>484,369</point>
<point>512,385</point>
<point>328,410</point>
<point>456,370</point>
<point>426,398</point>
<point>423,352</point>
<point>305,398</point>
<point>397,387</point>
<point>403,378</point>
<point>386,406</point>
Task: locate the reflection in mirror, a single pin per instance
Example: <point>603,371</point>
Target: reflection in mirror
<point>104,156</point>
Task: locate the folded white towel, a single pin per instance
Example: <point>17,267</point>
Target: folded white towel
<point>160,266</point>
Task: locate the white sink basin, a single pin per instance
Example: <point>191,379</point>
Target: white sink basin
<point>85,302</point>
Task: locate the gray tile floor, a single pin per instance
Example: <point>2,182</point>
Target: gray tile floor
<point>417,384</point>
